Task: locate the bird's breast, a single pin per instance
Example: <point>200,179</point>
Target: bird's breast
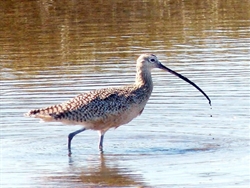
<point>118,119</point>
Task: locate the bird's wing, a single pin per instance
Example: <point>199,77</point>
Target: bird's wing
<point>86,106</point>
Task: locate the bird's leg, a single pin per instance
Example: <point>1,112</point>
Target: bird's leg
<point>71,136</point>
<point>101,142</point>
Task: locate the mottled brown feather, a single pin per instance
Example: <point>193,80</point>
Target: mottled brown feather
<point>95,107</point>
<point>104,108</point>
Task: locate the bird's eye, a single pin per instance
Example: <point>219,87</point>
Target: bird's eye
<point>152,60</point>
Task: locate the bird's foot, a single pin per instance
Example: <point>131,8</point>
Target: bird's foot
<point>101,149</point>
<point>69,154</point>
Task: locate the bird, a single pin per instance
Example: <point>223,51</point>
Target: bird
<point>110,107</point>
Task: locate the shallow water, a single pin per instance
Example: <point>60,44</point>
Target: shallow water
<point>51,51</point>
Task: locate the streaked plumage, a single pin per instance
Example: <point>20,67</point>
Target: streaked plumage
<point>107,108</point>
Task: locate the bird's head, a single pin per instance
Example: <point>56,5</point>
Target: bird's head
<point>146,62</point>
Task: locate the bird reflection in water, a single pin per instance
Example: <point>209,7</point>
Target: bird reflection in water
<point>99,171</point>
<point>110,175</point>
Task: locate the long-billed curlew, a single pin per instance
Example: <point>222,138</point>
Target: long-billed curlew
<point>105,108</point>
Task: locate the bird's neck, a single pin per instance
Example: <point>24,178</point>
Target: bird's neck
<point>144,79</point>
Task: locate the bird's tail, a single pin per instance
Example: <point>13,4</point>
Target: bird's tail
<point>45,113</point>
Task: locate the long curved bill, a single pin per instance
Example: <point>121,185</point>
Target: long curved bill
<point>185,79</point>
